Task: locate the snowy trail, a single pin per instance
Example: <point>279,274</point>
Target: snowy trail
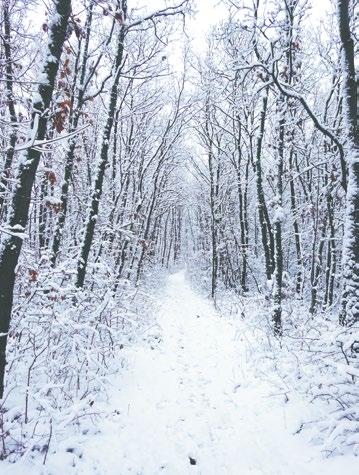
<point>189,397</point>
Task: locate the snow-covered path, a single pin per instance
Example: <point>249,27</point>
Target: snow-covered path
<point>190,398</point>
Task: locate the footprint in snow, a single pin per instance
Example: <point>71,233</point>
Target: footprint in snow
<point>192,461</point>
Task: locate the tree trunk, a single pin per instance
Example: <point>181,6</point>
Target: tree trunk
<point>278,256</point>
<point>298,246</point>
<point>97,191</point>
<point>11,106</point>
<point>350,296</point>
<point>331,254</point>
<point>20,203</point>
<point>70,155</point>
<point>214,230</point>
<point>264,222</point>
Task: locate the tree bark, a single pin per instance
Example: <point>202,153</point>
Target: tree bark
<point>70,155</point>
<point>278,255</point>
<point>97,191</point>
<point>264,222</point>
<point>350,295</point>
<point>19,208</point>
<point>11,105</point>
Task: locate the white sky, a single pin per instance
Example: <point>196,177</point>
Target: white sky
<point>209,12</point>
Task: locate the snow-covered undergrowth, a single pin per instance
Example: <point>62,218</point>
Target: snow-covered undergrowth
<point>65,344</point>
<point>315,360</point>
<point>157,380</point>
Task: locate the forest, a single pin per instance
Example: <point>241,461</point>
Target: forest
<point>179,237</point>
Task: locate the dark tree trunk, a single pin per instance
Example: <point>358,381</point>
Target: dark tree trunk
<point>264,222</point>
<point>70,155</point>
<point>11,105</point>
<point>317,264</point>
<point>97,190</point>
<point>331,254</point>
<point>245,232</point>
<point>243,202</point>
<point>298,246</point>
<point>20,203</point>
<point>214,230</point>
<point>278,272</point>
<point>350,296</point>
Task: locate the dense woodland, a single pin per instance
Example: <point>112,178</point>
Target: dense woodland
<point>126,153</point>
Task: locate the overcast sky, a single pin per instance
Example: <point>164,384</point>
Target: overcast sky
<point>209,12</point>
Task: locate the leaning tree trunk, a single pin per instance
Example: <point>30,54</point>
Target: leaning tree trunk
<point>70,155</point>
<point>97,191</point>
<point>11,106</point>
<point>19,208</point>
<point>350,296</point>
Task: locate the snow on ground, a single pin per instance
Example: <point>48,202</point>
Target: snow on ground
<point>191,397</point>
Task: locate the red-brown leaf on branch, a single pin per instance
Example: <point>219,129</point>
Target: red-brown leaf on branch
<point>65,70</point>
<point>33,275</point>
<point>61,115</point>
<point>65,105</point>
<point>50,175</point>
<point>59,122</point>
<point>55,207</point>
<point>78,30</point>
